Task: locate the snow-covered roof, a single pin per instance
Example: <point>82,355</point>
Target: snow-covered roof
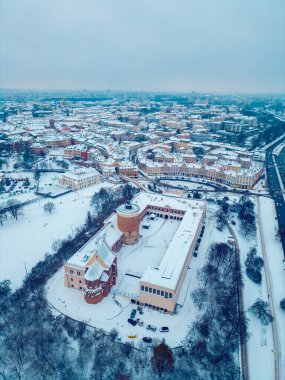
<point>94,272</point>
<point>172,264</point>
<point>81,173</point>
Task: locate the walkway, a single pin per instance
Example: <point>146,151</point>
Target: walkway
<point>270,299</point>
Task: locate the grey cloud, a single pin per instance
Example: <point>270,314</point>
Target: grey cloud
<point>160,45</point>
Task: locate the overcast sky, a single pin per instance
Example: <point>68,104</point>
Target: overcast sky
<point>159,45</point>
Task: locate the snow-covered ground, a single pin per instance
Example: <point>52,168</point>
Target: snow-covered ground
<point>26,241</point>
<point>260,187</point>
<point>109,314</point>
<point>49,184</point>
<point>276,267</point>
<point>188,185</point>
<point>260,343</point>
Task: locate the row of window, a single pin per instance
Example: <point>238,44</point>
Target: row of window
<point>78,273</point>
<point>79,287</point>
<point>158,292</point>
<point>72,280</point>
<point>162,209</point>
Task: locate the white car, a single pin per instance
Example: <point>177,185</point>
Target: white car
<point>139,322</point>
<point>151,327</point>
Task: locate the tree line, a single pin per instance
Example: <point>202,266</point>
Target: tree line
<point>211,347</point>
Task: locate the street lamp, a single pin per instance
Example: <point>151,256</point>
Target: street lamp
<point>25,267</point>
<point>71,225</point>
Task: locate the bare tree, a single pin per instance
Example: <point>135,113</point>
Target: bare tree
<point>2,218</point>
<point>247,216</point>
<point>49,207</point>
<point>262,311</point>
<point>162,359</point>
<point>199,297</point>
<point>127,349</point>
<point>14,207</point>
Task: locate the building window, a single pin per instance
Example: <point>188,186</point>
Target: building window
<point>72,286</point>
<point>170,295</point>
<point>154,291</point>
<point>162,293</point>
<point>80,288</point>
<point>142,287</point>
<point>71,271</point>
<point>150,290</point>
<point>158,292</point>
<point>146,289</point>
<point>71,279</point>
<point>79,281</point>
<point>166,294</point>
<point>78,273</point>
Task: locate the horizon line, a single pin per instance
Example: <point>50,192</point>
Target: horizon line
<point>189,93</point>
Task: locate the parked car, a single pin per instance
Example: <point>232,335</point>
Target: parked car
<point>164,329</point>
<point>147,339</point>
<point>133,313</point>
<point>132,321</point>
<point>139,322</point>
<point>151,327</point>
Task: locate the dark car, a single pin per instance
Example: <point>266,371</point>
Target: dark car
<point>133,313</point>
<point>132,321</point>
<point>164,329</point>
<point>147,339</point>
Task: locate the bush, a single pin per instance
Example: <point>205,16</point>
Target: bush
<point>254,264</point>
<point>258,263</point>
<point>254,275</point>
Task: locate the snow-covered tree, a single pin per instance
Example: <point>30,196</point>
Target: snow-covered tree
<point>262,311</point>
<point>49,207</point>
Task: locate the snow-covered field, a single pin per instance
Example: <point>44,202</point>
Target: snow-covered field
<point>260,187</point>
<point>188,185</point>
<point>276,267</point>
<point>108,314</point>
<point>26,241</point>
<point>49,184</point>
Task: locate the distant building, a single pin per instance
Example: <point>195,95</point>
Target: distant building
<point>128,169</point>
<point>80,178</point>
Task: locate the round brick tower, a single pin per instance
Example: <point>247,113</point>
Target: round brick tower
<point>128,219</point>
